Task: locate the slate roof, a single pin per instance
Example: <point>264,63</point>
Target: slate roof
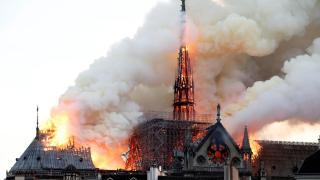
<point>311,165</point>
<point>39,157</point>
<point>211,130</point>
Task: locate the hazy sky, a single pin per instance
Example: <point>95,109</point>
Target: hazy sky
<point>44,45</point>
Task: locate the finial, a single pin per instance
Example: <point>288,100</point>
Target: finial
<point>37,129</point>
<point>183,5</point>
<point>218,113</point>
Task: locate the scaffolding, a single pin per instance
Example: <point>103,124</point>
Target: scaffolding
<point>154,141</point>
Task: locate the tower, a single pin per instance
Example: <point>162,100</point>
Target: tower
<point>183,105</point>
<point>246,149</point>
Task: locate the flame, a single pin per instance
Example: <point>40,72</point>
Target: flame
<point>59,131</point>
<point>255,147</point>
<point>60,136</point>
<point>105,157</point>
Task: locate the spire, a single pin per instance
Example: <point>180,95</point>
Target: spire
<point>183,104</point>
<point>183,22</point>
<point>245,142</point>
<point>183,5</point>
<point>183,88</point>
<point>37,129</point>
<point>218,113</point>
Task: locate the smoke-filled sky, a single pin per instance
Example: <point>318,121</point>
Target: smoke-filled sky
<point>259,59</point>
<point>44,45</point>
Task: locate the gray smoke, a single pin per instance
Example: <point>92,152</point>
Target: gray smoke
<point>291,96</point>
<point>233,45</point>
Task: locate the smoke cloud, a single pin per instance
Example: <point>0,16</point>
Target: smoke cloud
<point>293,96</point>
<point>237,50</point>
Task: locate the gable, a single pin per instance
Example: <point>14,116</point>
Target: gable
<point>216,148</point>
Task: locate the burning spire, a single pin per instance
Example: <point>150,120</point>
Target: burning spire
<point>183,5</point>
<point>183,88</point>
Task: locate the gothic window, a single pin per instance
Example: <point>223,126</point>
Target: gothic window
<point>218,152</point>
<point>70,173</point>
<point>71,176</point>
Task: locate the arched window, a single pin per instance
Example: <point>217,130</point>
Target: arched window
<point>235,162</point>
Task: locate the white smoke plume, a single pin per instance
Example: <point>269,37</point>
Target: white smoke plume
<point>293,96</point>
<point>233,44</point>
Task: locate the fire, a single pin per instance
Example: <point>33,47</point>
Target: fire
<point>60,135</point>
<point>255,147</point>
<point>105,157</point>
<point>59,131</point>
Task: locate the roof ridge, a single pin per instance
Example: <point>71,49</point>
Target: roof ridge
<point>287,142</point>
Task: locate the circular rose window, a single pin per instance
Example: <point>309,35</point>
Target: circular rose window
<point>218,153</point>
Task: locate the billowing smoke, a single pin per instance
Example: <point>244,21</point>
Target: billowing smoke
<point>233,45</point>
<point>295,95</point>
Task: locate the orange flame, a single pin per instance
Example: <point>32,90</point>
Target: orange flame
<point>60,135</point>
<point>58,127</point>
<point>255,147</point>
<point>106,158</point>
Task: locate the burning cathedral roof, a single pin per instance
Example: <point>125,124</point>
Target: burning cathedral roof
<point>38,157</point>
<point>41,157</point>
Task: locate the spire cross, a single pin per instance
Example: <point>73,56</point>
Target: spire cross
<point>218,113</point>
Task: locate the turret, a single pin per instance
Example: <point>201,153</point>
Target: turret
<point>245,148</point>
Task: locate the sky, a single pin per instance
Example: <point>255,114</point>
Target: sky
<point>44,45</point>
